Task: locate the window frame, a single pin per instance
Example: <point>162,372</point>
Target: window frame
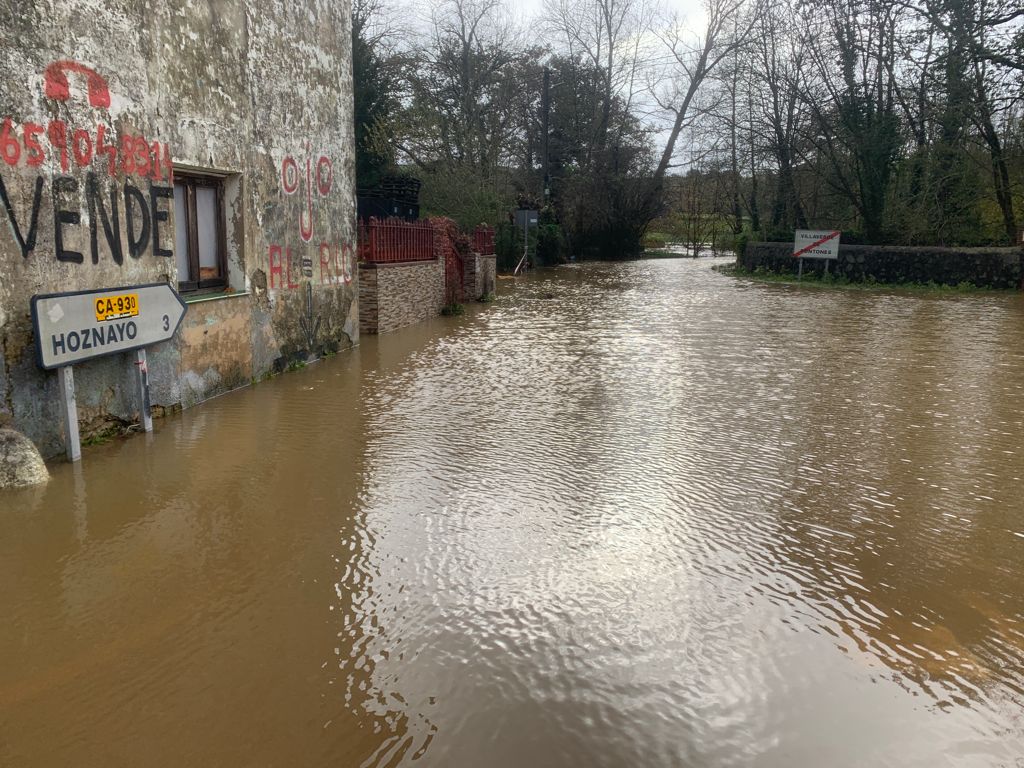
<point>190,182</point>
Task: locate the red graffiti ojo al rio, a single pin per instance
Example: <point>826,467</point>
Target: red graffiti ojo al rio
<point>318,176</point>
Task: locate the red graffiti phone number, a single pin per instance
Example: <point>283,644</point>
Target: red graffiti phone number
<point>131,155</point>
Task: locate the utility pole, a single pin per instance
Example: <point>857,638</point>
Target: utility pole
<point>545,109</point>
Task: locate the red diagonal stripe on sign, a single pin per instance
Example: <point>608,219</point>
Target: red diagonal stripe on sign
<point>816,243</point>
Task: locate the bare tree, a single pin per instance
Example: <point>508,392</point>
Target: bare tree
<point>854,124</point>
<point>608,36</point>
<point>778,58</point>
<point>691,62</point>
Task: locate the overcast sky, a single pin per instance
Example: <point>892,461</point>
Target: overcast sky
<point>416,14</point>
<point>693,10</point>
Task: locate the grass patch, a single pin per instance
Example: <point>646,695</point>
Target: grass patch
<point>265,376</point>
<point>453,309</point>
<point>656,239</point>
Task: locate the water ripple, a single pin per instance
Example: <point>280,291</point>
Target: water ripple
<point>635,514</point>
<point>656,514</point>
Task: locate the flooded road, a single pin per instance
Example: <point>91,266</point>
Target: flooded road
<point>636,514</point>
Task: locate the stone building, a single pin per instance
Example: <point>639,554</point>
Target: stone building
<point>206,144</point>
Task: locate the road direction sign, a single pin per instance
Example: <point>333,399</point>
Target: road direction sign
<point>816,244</point>
<point>77,326</point>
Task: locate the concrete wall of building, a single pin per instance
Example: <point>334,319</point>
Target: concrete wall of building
<point>98,99</point>
<point>982,267</point>
<point>392,296</point>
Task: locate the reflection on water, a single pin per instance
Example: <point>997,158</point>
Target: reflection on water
<point>632,514</point>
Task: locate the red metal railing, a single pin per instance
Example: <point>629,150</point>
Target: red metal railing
<point>394,240</point>
<point>483,240</point>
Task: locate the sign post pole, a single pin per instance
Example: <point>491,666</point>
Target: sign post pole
<point>70,328</point>
<point>69,410</point>
<point>526,237</point>
<point>145,410</point>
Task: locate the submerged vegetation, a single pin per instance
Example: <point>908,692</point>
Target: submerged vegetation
<point>101,437</point>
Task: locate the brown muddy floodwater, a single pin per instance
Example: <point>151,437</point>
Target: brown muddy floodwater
<point>631,515</point>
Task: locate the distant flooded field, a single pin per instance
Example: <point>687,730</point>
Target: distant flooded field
<point>634,514</point>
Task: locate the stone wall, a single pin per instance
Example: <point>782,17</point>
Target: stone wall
<point>487,279</point>
<point>470,270</point>
<point>479,274</point>
<point>982,267</point>
<point>368,314</point>
<point>392,296</point>
<point>255,95</point>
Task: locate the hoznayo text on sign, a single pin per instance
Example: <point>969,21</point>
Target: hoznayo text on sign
<point>77,326</point>
<point>816,244</point>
